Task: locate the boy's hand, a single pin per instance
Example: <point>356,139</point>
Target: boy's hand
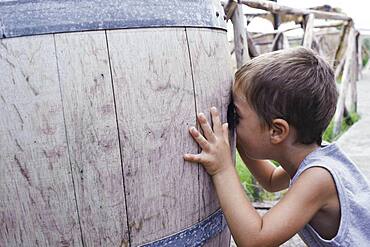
<point>215,155</point>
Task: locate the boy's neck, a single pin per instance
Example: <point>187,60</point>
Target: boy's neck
<point>293,155</point>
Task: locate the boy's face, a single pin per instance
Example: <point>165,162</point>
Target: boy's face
<point>252,136</point>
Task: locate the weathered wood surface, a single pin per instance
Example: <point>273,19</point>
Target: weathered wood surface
<point>212,88</point>
<point>225,238</point>
<point>37,205</point>
<point>351,99</point>
<point>93,143</point>
<point>240,39</point>
<point>155,102</point>
<point>285,10</point>
<point>359,56</point>
<point>251,47</point>
<point>346,77</point>
<point>71,158</point>
<point>229,8</point>
<point>295,28</point>
<point>339,69</point>
<point>280,42</point>
<point>351,103</point>
<point>317,47</point>
<point>308,32</point>
<point>341,49</point>
<point>263,43</point>
<point>328,43</point>
<point>220,240</point>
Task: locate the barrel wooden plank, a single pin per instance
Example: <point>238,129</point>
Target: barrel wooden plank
<point>212,82</point>
<point>220,240</point>
<point>37,204</point>
<point>92,133</point>
<point>155,106</point>
<point>225,238</point>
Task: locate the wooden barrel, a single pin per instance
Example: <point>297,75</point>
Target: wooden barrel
<point>96,98</point>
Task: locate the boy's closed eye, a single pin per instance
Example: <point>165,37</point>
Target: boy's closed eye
<point>236,117</point>
<point>232,116</point>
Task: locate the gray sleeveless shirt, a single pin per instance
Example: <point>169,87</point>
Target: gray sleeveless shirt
<point>354,197</point>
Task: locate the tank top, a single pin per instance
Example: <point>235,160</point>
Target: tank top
<point>354,197</point>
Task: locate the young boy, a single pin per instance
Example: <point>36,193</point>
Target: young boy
<point>284,101</point>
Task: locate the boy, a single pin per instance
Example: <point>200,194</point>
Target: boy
<point>284,101</point>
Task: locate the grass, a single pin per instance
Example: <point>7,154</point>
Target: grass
<point>346,124</point>
<point>256,193</point>
<point>253,191</point>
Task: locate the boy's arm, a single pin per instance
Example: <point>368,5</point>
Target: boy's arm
<point>270,177</point>
<point>309,193</point>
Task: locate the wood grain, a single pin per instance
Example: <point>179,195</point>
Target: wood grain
<point>308,32</point>
<point>240,39</point>
<point>64,138</point>
<point>37,204</point>
<point>155,106</point>
<point>346,80</point>
<point>212,82</point>
<point>328,44</point>
<point>225,238</point>
<point>92,133</point>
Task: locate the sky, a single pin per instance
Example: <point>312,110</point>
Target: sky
<point>357,9</point>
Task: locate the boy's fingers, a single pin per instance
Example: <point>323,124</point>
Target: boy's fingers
<point>196,158</point>
<point>225,131</point>
<point>203,143</point>
<point>208,132</point>
<point>216,121</point>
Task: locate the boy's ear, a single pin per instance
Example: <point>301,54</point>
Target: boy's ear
<point>279,130</point>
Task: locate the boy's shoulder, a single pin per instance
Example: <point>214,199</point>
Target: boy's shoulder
<point>317,179</point>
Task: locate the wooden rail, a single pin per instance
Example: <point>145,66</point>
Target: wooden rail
<point>285,10</point>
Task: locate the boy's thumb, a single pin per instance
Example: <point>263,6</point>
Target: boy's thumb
<point>225,131</point>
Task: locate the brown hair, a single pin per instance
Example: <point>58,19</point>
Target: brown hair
<point>295,85</point>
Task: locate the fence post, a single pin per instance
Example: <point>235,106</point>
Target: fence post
<point>359,54</point>
<point>240,36</point>
<point>308,32</point>
<point>352,90</point>
<point>346,78</point>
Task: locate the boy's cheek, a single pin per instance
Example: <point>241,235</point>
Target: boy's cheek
<point>238,137</point>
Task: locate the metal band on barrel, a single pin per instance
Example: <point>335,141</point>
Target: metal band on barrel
<point>196,235</point>
<point>34,17</point>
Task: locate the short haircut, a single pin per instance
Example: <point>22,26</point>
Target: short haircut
<point>293,84</point>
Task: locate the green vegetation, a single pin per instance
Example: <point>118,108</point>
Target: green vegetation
<point>366,46</point>
<point>348,121</point>
<point>256,193</point>
<point>245,176</point>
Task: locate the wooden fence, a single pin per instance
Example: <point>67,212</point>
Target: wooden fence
<point>347,53</point>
